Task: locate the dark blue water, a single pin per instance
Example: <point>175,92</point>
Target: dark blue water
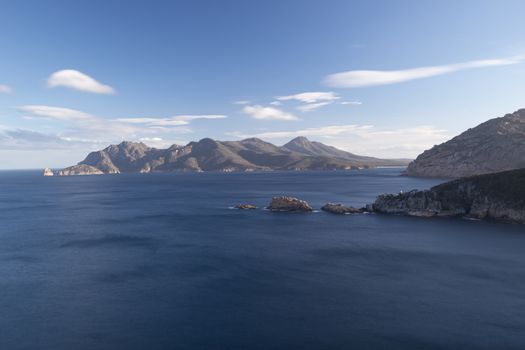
<point>158,261</point>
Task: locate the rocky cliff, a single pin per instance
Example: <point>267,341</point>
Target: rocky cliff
<point>212,155</point>
<point>496,145</point>
<point>498,196</point>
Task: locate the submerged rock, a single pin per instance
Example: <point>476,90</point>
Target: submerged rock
<point>47,172</point>
<point>284,203</point>
<point>245,206</point>
<point>341,209</point>
<point>80,169</point>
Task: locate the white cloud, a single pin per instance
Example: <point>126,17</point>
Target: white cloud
<point>366,139</point>
<point>241,102</point>
<point>312,106</point>
<point>178,120</point>
<point>310,100</point>
<point>195,117</point>
<point>353,103</point>
<point>87,128</point>
<point>361,78</point>
<point>310,97</point>
<point>4,89</point>
<point>276,103</point>
<point>159,142</point>
<point>58,113</point>
<point>78,81</point>
<point>268,113</point>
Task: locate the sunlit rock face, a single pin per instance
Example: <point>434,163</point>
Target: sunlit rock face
<point>228,156</point>
<point>493,146</point>
<point>80,169</point>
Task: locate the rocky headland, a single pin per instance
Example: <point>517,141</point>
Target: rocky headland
<point>226,156</point>
<point>493,146</point>
<point>498,196</point>
<point>80,169</point>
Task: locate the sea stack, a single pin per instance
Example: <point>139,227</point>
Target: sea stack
<point>47,172</point>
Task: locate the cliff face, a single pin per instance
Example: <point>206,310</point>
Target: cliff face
<point>498,196</point>
<point>212,155</point>
<point>496,145</point>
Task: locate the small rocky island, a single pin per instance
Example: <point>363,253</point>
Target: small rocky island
<point>284,203</point>
<point>498,196</point>
<point>341,209</point>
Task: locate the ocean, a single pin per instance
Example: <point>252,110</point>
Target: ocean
<point>161,261</point>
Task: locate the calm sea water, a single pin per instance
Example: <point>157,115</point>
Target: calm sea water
<point>159,261</point>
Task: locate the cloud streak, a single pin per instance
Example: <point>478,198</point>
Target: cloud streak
<point>310,97</point>
<point>58,113</point>
<point>178,120</point>
<point>364,78</point>
<point>268,113</point>
<point>79,81</point>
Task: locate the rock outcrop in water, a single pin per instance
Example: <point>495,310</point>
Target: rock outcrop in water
<point>284,203</point>
<point>341,209</point>
<point>494,146</point>
<point>47,172</point>
<point>81,169</point>
<point>245,206</point>
<point>227,156</point>
<point>499,196</point>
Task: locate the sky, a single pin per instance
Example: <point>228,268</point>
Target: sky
<point>379,78</point>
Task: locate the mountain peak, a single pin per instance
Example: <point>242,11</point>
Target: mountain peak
<point>300,139</point>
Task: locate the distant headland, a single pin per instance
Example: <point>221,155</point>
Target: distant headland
<point>226,156</point>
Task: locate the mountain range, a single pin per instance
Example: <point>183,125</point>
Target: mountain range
<point>493,146</point>
<point>251,154</point>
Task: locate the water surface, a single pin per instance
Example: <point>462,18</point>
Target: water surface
<point>159,261</point>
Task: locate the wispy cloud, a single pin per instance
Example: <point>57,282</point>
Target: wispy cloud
<point>170,121</point>
<point>78,126</point>
<point>312,106</point>
<point>352,103</point>
<point>310,101</point>
<point>4,89</point>
<point>268,113</point>
<point>325,131</point>
<point>24,139</point>
<point>362,78</point>
<point>310,97</point>
<point>365,139</point>
<point>241,102</point>
<point>59,113</point>
<point>79,81</point>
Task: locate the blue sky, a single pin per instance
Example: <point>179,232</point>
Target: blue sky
<point>381,78</point>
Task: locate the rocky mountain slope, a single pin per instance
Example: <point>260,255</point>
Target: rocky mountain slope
<point>498,196</point>
<point>496,145</point>
<point>211,155</point>
<point>312,148</point>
